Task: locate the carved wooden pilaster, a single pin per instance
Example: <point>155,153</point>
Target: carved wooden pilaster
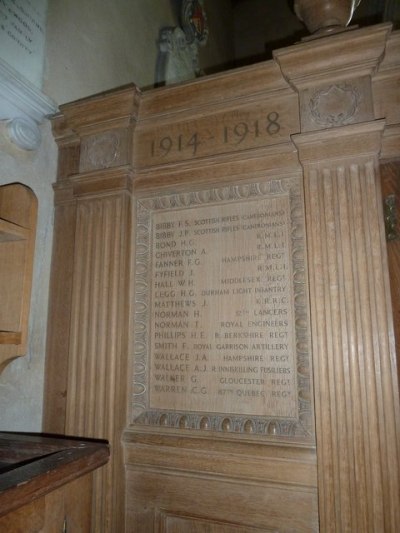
<point>88,332</point>
<point>356,390</point>
<point>98,351</point>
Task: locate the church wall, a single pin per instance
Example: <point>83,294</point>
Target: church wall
<point>91,47</point>
<point>21,383</point>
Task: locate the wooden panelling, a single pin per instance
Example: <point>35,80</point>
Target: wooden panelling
<point>255,461</point>
<point>46,483</point>
<point>390,180</point>
<point>230,86</point>
<point>90,115</point>
<point>357,409</point>
<point>385,84</point>
<point>182,476</point>
<point>171,523</point>
<point>152,495</point>
<point>60,311</point>
<point>97,358</point>
<point>65,509</point>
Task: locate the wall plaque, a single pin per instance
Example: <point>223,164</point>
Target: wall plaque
<point>22,37</point>
<point>221,317</point>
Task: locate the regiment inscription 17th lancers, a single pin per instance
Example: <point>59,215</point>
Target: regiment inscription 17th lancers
<point>216,308</point>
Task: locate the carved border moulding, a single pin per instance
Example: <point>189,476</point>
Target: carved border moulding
<point>294,422</point>
<point>169,521</point>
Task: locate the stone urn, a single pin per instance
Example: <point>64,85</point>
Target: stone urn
<point>325,16</point>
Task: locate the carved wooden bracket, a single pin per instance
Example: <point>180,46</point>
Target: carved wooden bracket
<point>23,106</point>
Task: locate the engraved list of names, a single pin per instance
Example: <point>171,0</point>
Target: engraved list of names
<point>218,319</point>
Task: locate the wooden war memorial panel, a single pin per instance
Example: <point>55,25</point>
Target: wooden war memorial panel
<point>219,428</point>
<point>221,322</point>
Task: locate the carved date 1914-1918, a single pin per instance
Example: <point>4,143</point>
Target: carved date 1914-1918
<point>234,134</point>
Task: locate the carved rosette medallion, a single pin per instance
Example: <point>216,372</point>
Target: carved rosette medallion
<point>335,106</point>
<point>101,151</point>
<point>167,343</point>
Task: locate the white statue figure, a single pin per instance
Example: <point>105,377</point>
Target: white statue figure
<point>179,47</point>
<point>177,60</point>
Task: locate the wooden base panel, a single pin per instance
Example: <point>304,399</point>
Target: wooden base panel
<point>180,503</point>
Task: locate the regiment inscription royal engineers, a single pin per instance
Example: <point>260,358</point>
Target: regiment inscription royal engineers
<point>221,317</point>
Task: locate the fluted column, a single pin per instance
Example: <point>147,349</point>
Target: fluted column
<point>97,358</point>
<point>355,378</point>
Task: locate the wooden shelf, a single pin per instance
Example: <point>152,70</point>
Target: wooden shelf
<point>12,232</point>
<point>18,216</point>
<point>10,337</point>
<point>32,466</point>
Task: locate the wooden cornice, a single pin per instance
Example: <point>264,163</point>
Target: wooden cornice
<point>346,55</point>
<point>112,109</point>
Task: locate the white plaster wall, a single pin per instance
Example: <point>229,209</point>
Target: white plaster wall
<point>96,45</point>
<point>22,37</point>
<point>21,383</point>
<point>91,46</point>
<point>261,26</point>
<point>218,53</point>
